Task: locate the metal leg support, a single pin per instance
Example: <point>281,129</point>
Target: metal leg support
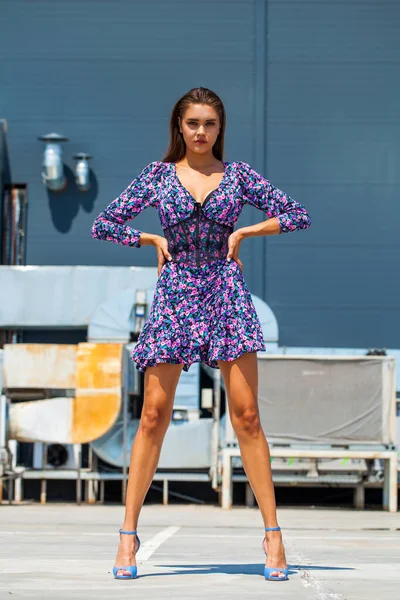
<point>359,497</point>
<point>165,491</point>
<point>250,498</point>
<point>227,484</point>
<point>390,483</point>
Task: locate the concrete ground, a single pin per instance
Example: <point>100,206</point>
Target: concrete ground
<point>66,552</point>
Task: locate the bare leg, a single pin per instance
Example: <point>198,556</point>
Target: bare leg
<point>160,383</point>
<point>241,383</point>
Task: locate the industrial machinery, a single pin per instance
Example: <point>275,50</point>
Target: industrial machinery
<point>86,398</point>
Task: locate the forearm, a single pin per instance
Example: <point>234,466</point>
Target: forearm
<point>148,239</point>
<point>107,227</point>
<point>268,227</point>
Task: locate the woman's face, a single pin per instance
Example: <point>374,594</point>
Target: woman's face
<point>200,122</point>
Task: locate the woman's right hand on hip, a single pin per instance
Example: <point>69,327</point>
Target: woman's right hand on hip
<point>163,254</point>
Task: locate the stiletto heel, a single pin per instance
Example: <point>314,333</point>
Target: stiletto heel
<point>269,570</point>
<point>132,569</point>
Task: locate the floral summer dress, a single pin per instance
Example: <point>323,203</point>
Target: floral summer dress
<point>202,310</point>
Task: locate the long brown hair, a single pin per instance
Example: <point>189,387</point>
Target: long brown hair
<point>177,147</point>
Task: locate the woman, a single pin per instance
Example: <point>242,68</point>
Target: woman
<point>202,309</point>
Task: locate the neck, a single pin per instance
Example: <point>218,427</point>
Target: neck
<point>196,161</point>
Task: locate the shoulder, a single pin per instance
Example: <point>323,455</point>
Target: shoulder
<point>240,164</point>
<point>244,167</point>
<point>246,173</point>
<point>153,170</point>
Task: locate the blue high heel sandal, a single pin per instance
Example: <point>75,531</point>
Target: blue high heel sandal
<point>269,570</point>
<point>132,569</point>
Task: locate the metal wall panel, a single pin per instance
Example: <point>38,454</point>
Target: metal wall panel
<point>333,143</point>
<point>311,92</point>
<point>107,74</point>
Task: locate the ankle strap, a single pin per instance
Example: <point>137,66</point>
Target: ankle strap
<point>272,528</point>
<point>122,531</point>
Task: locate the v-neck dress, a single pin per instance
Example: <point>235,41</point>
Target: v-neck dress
<point>202,310</point>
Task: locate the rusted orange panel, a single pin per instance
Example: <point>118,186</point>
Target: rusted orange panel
<point>50,366</point>
<point>97,400</point>
<point>93,415</point>
<point>99,366</point>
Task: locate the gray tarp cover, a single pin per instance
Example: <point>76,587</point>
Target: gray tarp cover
<point>324,400</point>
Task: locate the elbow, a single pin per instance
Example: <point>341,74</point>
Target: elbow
<point>94,231</point>
<point>294,220</point>
<point>303,220</point>
<point>301,217</point>
<point>97,227</point>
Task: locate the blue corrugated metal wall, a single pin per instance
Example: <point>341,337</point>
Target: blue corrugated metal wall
<point>333,142</point>
<point>311,92</point>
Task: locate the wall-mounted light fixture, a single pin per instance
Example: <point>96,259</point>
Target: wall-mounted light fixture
<point>82,173</point>
<point>53,175</point>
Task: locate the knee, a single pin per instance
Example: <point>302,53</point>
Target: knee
<point>246,423</point>
<point>153,420</point>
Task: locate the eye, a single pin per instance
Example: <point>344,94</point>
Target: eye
<point>195,123</point>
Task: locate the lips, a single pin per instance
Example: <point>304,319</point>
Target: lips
<point>200,141</point>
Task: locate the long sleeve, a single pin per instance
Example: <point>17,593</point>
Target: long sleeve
<point>259,192</point>
<point>140,193</point>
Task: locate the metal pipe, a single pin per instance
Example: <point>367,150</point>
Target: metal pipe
<point>43,482</point>
<point>79,475</point>
<point>3,450</point>
<point>14,225</point>
<point>215,428</point>
<point>124,440</point>
<point>53,175</point>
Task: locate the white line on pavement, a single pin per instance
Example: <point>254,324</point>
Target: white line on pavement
<point>150,546</point>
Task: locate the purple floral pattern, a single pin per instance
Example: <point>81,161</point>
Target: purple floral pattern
<point>201,311</point>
